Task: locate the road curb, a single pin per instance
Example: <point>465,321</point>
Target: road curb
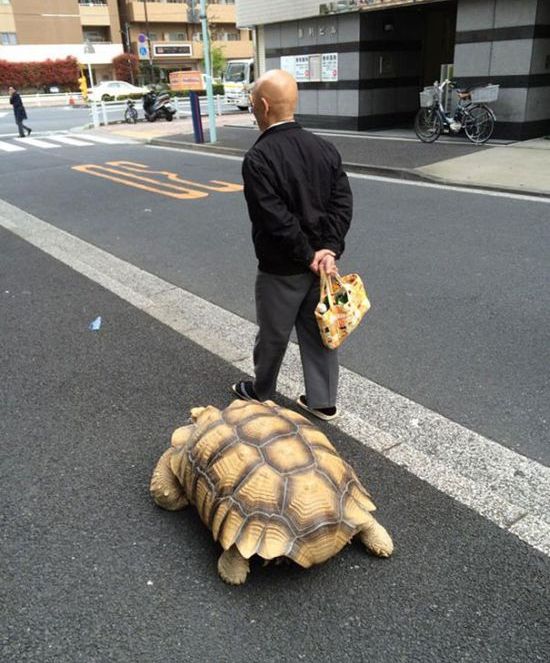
<point>408,174</point>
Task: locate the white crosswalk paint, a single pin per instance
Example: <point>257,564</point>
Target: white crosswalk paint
<point>66,140</point>
<point>107,140</point>
<point>36,142</point>
<point>10,147</point>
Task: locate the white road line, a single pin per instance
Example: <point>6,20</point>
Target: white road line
<point>66,140</point>
<point>102,139</point>
<point>392,180</point>
<point>36,142</point>
<point>10,147</point>
<point>506,488</point>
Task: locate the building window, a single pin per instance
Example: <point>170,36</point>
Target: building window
<point>175,36</point>
<point>5,2</point>
<point>97,35</point>
<point>90,3</point>
<point>8,38</point>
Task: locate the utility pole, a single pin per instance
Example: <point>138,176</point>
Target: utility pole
<point>126,34</point>
<point>208,73</point>
<point>149,42</point>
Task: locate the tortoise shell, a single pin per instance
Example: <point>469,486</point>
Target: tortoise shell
<point>265,479</point>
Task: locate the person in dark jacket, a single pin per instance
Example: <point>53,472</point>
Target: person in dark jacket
<point>300,205</point>
<point>19,111</point>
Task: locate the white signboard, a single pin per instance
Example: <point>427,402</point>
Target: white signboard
<point>314,67</point>
<point>329,67</point>
<point>301,72</point>
<point>288,63</point>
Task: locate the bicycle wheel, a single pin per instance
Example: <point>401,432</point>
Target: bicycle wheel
<point>428,125</point>
<point>479,123</point>
<point>131,116</point>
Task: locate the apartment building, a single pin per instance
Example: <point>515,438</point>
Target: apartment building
<point>174,31</point>
<point>37,30</point>
<point>361,63</point>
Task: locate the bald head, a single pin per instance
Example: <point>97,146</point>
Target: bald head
<point>274,98</point>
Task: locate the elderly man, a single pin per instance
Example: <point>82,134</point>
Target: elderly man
<point>300,204</point>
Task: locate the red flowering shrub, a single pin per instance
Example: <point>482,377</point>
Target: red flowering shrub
<point>22,75</point>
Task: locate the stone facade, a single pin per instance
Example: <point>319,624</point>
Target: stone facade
<point>386,56</point>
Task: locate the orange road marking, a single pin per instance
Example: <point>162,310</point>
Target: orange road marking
<point>135,181</point>
<point>223,187</point>
<point>133,174</point>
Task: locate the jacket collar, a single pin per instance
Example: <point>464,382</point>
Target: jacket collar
<point>278,128</point>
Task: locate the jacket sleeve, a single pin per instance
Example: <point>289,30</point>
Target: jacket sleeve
<point>339,212</point>
<point>270,212</point>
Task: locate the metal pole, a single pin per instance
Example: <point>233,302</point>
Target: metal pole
<point>90,74</point>
<point>208,74</point>
<point>149,42</point>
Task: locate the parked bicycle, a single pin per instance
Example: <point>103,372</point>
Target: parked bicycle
<point>471,114</point>
<point>130,114</point>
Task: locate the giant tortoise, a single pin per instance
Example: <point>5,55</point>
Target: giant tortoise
<point>267,482</point>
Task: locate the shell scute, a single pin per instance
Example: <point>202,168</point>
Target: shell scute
<point>232,466</point>
<point>288,454</point>
<point>262,491</point>
<point>310,501</point>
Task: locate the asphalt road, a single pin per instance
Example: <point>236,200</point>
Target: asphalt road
<point>460,313</point>
<point>58,118</point>
<point>92,571</point>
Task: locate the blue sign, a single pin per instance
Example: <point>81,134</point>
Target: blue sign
<point>143,51</point>
<point>142,38</point>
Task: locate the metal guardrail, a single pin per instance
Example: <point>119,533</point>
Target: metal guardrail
<point>109,112</point>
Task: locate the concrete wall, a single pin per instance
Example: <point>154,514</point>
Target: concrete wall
<point>262,12</point>
<point>508,42</point>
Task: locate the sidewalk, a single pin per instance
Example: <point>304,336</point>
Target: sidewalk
<point>522,167</point>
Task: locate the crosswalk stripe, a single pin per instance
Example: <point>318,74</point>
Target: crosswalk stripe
<point>36,142</point>
<point>69,141</point>
<point>10,147</point>
<point>100,139</point>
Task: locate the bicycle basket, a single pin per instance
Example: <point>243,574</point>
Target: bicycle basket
<point>427,97</point>
<point>485,94</point>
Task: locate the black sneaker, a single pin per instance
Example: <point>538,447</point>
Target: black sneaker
<point>245,391</point>
<point>324,413</point>
<point>29,132</point>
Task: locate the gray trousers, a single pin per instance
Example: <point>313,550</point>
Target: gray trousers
<point>284,302</point>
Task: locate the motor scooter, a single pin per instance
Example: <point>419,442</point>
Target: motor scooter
<point>156,106</point>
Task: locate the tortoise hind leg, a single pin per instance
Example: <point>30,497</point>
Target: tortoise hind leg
<point>376,538</point>
<point>233,567</point>
<point>165,489</point>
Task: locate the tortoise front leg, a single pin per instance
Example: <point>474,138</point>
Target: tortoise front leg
<point>376,538</point>
<point>165,488</point>
<point>233,567</point>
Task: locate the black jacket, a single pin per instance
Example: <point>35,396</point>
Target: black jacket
<point>18,108</point>
<point>298,197</point>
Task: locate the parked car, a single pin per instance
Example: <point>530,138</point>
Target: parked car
<point>108,90</point>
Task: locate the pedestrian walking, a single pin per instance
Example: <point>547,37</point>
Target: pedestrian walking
<point>19,111</point>
<point>300,205</point>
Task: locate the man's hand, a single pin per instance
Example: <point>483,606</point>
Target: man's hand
<point>318,257</point>
<point>328,265</point>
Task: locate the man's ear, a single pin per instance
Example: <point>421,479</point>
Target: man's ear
<point>265,104</point>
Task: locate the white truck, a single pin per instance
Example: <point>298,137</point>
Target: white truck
<point>237,82</point>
